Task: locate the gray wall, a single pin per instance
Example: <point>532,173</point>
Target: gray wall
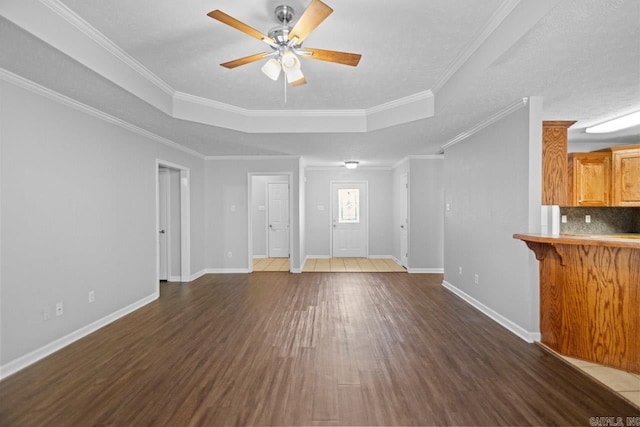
<point>426,214</point>
<point>78,199</point>
<point>228,189</point>
<point>318,193</point>
<point>492,183</point>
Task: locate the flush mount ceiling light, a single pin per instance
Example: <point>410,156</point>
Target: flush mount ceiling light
<point>286,42</point>
<point>614,125</point>
<point>351,164</point>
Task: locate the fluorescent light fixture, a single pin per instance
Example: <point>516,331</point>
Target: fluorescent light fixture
<point>614,125</point>
<point>272,69</point>
<point>351,164</point>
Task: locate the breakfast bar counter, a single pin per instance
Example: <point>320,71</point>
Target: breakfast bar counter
<point>590,296</point>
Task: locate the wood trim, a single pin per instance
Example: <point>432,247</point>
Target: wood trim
<point>554,162</point>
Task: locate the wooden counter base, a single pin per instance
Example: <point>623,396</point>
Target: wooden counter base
<point>590,298</point>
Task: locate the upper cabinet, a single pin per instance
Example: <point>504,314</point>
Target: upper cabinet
<point>625,165</point>
<point>609,177</point>
<point>589,179</point>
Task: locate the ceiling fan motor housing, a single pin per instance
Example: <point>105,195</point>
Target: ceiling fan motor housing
<point>284,13</point>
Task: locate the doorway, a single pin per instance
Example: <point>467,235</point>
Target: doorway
<point>349,214</point>
<point>173,254</point>
<point>270,237</point>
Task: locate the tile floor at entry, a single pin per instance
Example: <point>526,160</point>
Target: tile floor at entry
<point>327,265</point>
<point>355,265</point>
<point>624,383</point>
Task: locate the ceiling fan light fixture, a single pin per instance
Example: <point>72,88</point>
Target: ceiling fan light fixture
<point>351,164</point>
<point>290,61</point>
<point>272,69</point>
<point>294,74</point>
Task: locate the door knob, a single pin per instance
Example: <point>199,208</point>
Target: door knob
<point>161,231</point>
<point>270,226</point>
<point>402,226</point>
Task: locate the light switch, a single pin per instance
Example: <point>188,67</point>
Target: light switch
<point>320,207</point>
<point>233,208</point>
<point>587,219</point>
<point>261,208</point>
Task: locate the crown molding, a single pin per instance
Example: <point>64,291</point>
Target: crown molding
<point>33,87</point>
<point>186,97</point>
<point>254,157</point>
<point>418,157</point>
<point>407,100</point>
<point>103,41</point>
<point>489,121</point>
<point>496,19</point>
<point>341,167</point>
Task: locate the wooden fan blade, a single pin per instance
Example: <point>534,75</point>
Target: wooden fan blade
<point>238,25</point>
<point>246,60</point>
<point>345,58</point>
<point>299,82</point>
<point>313,16</point>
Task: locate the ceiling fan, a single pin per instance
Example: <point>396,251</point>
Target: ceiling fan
<point>286,42</point>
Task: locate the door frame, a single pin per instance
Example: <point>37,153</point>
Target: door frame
<point>250,175</point>
<point>164,174</point>
<point>405,177</point>
<point>185,220</point>
<point>366,210</point>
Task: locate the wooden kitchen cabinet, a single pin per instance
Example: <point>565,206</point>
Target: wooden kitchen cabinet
<point>625,171</point>
<point>589,179</point>
<point>609,177</point>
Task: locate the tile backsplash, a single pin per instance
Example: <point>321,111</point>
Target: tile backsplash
<point>603,220</point>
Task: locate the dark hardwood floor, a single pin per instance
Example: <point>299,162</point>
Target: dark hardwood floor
<point>304,349</point>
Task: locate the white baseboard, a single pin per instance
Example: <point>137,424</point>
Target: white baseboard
<point>175,279</point>
<point>317,257</point>
<point>226,270</point>
<point>382,257</point>
<point>259,256</point>
<point>426,270</point>
<point>198,275</point>
<point>296,270</point>
<point>30,358</point>
<point>497,317</point>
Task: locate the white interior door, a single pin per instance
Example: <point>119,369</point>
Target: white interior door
<point>349,219</point>
<point>404,220</point>
<point>278,219</point>
<point>163,209</point>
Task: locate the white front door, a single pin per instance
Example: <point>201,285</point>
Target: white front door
<point>404,219</point>
<point>278,219</point>
<point>349,219</point>
<point>163,209</point>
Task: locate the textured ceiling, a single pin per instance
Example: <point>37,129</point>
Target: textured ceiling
<point>581,56</point>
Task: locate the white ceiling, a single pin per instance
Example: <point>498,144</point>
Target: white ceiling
<point>429,70</point>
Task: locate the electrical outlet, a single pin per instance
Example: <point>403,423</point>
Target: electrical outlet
<point>46,313</point>
<point>476,279</point>
<point>587,219</point>
<point>59,309</point>
<point>563,219</point>
<point>92,296</point>
<point>229,254</point>
<point>460,270</point>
